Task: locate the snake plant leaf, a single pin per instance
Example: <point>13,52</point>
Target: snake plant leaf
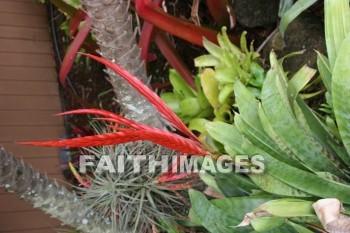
<point>210,87</point>
<point>211,217</point>
<point>288,207</point>
<point>275,102</point>
<point>226,134</point>
<point>190,106</point>
<point>230,182</point>
<point>225,93</point>
<point>172,100</point>
<point>297,83</point>
<point>323,134</point>
<point>263,224</point>
<point>293,12</point>
<point>297,227</point>
<point>180,86</point>
<point>259,139</point>
<point>341,92</point>
<point>323,67</point>
<point>305,181</point>
<point>270,184</point>
<point>337,26</point>
<point>209,180</point>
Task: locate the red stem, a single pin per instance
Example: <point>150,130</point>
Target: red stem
<point>155,15</point>
<point>167,49</point>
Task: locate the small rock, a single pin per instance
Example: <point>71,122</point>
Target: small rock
<point>256,13</point>
<point>305,32</point>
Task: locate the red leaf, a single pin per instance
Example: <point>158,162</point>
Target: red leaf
<point>76,20</point>
<point>166,139</point>
<point>152,97</point>
<point>68,59</point>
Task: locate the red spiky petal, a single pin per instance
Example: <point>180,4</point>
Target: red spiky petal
<point>166,139</point>
<point>152,97</point>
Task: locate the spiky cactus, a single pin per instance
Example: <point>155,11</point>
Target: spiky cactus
<point>112,26</point>
<point>49,196</point>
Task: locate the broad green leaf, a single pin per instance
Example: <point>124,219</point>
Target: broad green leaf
<point>214,219</point>
<point>225,93</point>
<point>226,134</point>
<point>288,207</point>
<point>230,182</point>
<point>225,41</point>
<point>270,184</point>
<point>190,106</point>
<point>198,124</point>
<point>210,181</point>
<point>212,48</point>
<point>337,26</point>
<point>225,75</point>
<point>172,100</point>
<point>210,87</point>
<point>325,71</point>
<point>263,224</point>
<point>341,92</point>
<point>259,139</point>
<point>206,60</point>
<point>180,86</point>
<point>305,181</point>
<point>293,12</point>
<point>298,228</point>
<point>275,103</point>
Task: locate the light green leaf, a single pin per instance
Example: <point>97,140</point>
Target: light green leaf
<point>206,60</point>
<point>225,93</point>
<point>293,12</point>
<point>337,26</point>
<point>180,86</point>
<point>198,124</point>
<point>210,87</point>
<point>172,100</point>
<point>263,224</point>
<point>288,207</point>
<point>341,92</point>
<point>190,107</point>
<point>226,134</point>
<point>212,48</point>
<point>298,228</point>
<point>325,71</point>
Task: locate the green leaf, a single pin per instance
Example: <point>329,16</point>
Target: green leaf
<point>341,92</point>
<point>275,102</point>
<point>225,75</point>
<point>337,26</point>
<point>190,107</point>
<point>226,134</point>
<point>293,12</point>
<point>198,124</point>
<point>298,228</point>
<point>305,181</point>
<point>212,218</point>
<point>212,48</point>
<point>210,87</point>
<point>206,60</point>
<point>262,224</point>
<point>210,181</point>
<point>284,6</point>
<point>233,183</point>
<point>180,86</point>
<point>288,207</point>
<point>172,100</point>
<point>270,184</point>
<point>297,83</point>
<point>325,71</point>
<point>225,93</point>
